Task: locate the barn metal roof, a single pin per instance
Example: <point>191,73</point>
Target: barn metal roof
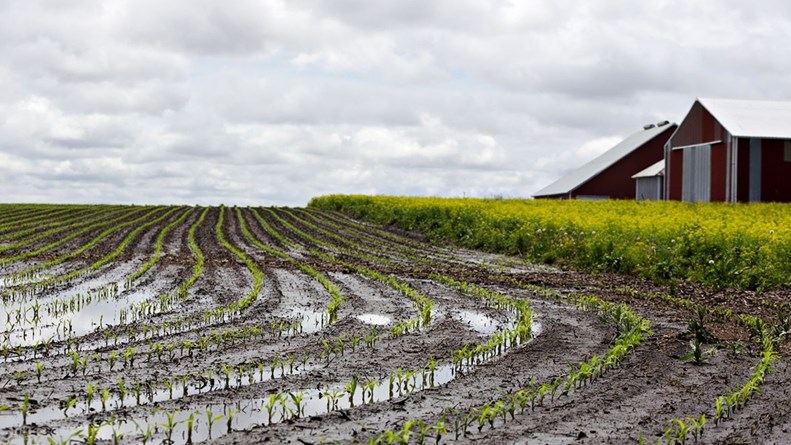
<point>657,169</point>
<point>752,118</point>
<point>586,172</point>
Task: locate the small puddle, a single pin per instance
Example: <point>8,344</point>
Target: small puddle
<point>481,323</point>
<point>375,319</point>
<point>310,320</point>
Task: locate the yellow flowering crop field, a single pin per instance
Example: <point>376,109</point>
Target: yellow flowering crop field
<point>746,246</point>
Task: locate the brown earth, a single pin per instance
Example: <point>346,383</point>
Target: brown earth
<point>634,400</point>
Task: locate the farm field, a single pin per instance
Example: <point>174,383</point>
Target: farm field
<point>152,324</point>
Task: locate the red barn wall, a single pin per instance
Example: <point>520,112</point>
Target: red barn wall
<point>676,173</point>
<point>775,172</point>
<point>719,171</point>
<point>616,181</point>
<point>700,127</point>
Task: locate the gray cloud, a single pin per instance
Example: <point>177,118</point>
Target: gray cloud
<point>270,102</point>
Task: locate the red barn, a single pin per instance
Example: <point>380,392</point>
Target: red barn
<point>731,150</point>
<point>609,176</point>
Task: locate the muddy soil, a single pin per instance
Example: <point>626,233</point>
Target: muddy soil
<point>635,400</point>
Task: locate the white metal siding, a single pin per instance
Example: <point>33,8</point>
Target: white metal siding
<point>649,188</point>
<point>696,176</point>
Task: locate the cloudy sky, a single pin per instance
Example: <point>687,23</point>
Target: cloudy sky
<point>272,102</point>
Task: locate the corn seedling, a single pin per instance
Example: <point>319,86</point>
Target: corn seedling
<point>211,418</point>
<point>89,392</point>
<point>92,431</point>
<point>332,396</point>
<point>190,426</point>
<point>296,398</point>
<point>24,408</point>
<point>697,355</point>
<point>39,369</point>
<point>169,386</point>
<point>229,414</point>
<point>170,424</point>
<point>121,390</point>
<point>105,394</point>
<point>440,429</point>
<point>147,432</point>
<point>70,402</point>
<point>270,405</point>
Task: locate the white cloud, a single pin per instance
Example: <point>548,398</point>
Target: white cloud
<point>276,101</point>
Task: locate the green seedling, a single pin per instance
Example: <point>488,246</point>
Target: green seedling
<point>129,357</point>
<point>230,415</point>
<point>39,369</point>
<point>370,386</point>
<point>351,388</point>
<point>24,408</point>
<point>327,352</point>
<point>137,390</point>
<point>440,429</point>
<point>270,407</point>
<point>105,395</point>
<point>190,426</point>
<point>92,431</point>
<point>211,418</point>
<point>89,392</point>
<point>121,390</point>
<point>332,396</point>
<point>170,424</point>
<point>698,424</point>
<point>70,402</point>
<point>697,355</point>
<point>117,435</point>
<point>296,398</point>
<point>169,386</point>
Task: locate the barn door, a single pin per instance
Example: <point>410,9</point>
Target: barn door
<point>696,176</point>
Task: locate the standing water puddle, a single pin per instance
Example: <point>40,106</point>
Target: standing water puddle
<point>481,323</point>
<point>375,319</point>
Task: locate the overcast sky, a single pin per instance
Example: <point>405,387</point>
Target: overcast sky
<point>273,102</point>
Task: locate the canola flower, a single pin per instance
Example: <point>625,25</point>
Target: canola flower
<point>723,245</point>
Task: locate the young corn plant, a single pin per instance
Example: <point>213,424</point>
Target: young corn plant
<point>92,433</point>
<point>369,386</point>
<point>190,422</point>
<point>332,396</point>
<point>170,424</point>
<point>70,402</point>
<point>697,355</point>
<point>351,388</point>
<point>105,394</point>
<point>39,369</point>
<point>147,432</point>
<point>211,418</point>
<point>296,399</point>
<point>270,405</point>
<point>24,408</point>
<point>230,416</point>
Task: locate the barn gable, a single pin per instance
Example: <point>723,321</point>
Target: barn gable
<point>731,150</point>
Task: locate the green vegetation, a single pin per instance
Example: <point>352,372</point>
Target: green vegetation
<point>746,246</point>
